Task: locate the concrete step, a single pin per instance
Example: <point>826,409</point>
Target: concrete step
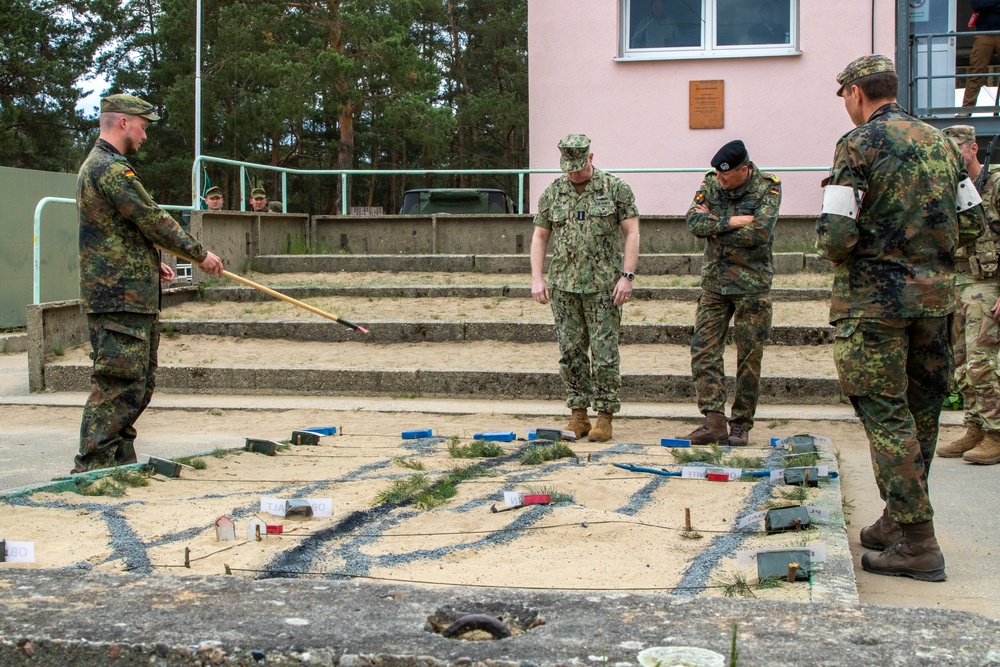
<point>649,264</point>
<point>505,385</point>
<point>474,369</point>
<point>433,331</point>
<point>512,291</point>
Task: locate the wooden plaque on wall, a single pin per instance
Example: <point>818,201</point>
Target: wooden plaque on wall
<point>706,105</point>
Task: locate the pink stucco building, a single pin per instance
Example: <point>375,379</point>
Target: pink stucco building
<point>590,71</point>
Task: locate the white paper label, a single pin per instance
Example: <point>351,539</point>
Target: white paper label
<point>20,552</point>
<point>841,200</point>
<point>749,519</point>
<point>968,196</point>
<point>274,506</point>
<point>321,506</point>
<point>778,475</point>
<point>513,498</point>
<point>818,512</point>
<point>817,553</point>
<point>692,472</point>
<point>252,527</point>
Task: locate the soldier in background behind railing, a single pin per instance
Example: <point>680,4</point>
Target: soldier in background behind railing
<point>977,334</point>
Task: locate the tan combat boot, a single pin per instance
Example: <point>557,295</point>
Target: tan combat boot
<point>916,554</point>
<point>602,431</point>
<point>987,452</point>
<point>882,534</point>
<point>579,423</point>
<point>713,429</point>
<point>972,437</point>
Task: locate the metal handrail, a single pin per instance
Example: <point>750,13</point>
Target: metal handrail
<point>344,173</point>
<point>36,271</point>
<point>915,40</point>
<point>520,173</point>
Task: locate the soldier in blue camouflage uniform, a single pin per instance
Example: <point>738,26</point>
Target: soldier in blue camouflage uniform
<point>897,206</point>
<point>593,222</point>
<point>977,335</point>
<point>735,211</point>
<point>120,274</point>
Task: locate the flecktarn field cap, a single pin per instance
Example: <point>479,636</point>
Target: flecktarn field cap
<point>863,66</point>
<point>128,104</point>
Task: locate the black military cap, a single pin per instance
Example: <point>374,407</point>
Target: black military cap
<point>732,155</point>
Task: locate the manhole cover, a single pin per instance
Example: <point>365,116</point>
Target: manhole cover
<point>483,622</point>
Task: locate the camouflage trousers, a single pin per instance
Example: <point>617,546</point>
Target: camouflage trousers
<point>121,386</point>
<point>587,326</point>
<point>896,373</point>
<point>977,343</point>
<point>751,315</point>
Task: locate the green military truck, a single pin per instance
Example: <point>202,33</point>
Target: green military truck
<point>456,200</point>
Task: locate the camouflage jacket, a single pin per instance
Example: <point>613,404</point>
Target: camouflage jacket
<point>978,262</point>
<point>737,261</point>
<point>119,225</point>
<point>897,259</point>
<point>587,241</point>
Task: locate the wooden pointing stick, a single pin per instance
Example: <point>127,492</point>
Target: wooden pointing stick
<point>276,294</point>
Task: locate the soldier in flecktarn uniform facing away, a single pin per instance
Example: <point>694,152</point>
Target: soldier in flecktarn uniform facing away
<point>896,208</point>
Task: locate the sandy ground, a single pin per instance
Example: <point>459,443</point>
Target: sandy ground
<point>502,309</point>
<point>225,352</point>
<point>356,279</point>
<point>572,545</point>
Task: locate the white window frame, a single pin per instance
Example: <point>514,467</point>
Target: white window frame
<point>709,37</point>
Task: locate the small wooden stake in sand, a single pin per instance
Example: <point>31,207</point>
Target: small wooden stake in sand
<point>687,519</point>
<point>792,568</point>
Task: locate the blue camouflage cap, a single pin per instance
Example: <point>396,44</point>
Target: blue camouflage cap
<point>128,104</point>
<point>575,149</point>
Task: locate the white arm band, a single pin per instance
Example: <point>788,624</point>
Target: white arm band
<point>840,200</point>
<point>968,196</point>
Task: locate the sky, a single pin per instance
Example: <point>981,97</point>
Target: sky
<point>93,89</point>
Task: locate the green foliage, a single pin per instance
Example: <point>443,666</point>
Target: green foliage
<point>47,46</point>
<point>195,462</point>
<point>713,455</point>
<point>402,490</point>
<point>477,449</point>
<point>305,85</point>
<point>423,494</point>
<point>556,497</point>
<point>735,585</point>
<point>412,464</point>
<point>538,454</point>
<point>744,462</point>
<point>114,484</point>
<point>800,460</point>
<point>220,452</point>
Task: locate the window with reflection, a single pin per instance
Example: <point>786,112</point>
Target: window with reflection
<point>700,28</point>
